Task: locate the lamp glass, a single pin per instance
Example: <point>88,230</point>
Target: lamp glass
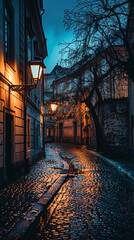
<point>54,107</point>
<point>35,70</point>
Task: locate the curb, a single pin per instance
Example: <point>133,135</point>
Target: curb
<point>24,227</point>
<point>115,164</point>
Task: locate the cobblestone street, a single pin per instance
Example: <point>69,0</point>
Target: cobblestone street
<point>97,202</point>
<point>19,197</point>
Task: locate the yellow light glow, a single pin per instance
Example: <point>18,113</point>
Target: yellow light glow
<point>40,72</point>
<point>54,107</point>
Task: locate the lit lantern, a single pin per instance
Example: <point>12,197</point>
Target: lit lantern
<point>36,69</point>
<point>54,106</point>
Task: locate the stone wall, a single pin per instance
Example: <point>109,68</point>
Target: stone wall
<point>115,125</point>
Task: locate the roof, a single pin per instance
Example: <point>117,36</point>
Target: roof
<point>58,70</point>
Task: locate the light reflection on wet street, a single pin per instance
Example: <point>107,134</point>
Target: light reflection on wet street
<point>17,198</point>
<point>97,203</point>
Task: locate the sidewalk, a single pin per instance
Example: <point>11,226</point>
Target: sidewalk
<point>125,166</point>
<point>18,198</point>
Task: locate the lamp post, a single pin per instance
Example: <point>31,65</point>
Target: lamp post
<point>86,117</point>
<point>54,107</point>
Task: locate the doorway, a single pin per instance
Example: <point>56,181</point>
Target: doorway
<point>9,146</point>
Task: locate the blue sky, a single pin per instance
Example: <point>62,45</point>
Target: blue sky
<point>54,28</point>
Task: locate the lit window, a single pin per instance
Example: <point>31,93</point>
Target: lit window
<point>49,132</point>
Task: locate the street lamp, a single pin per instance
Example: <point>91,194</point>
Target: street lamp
<point>36,70</point>
<point>54,107</point>
<point>36,67</point>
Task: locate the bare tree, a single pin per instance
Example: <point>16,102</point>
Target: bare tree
<point>101,31</point>
<point>98,25</point>
<point>94,79</point>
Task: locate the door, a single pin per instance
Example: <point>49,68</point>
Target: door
<point>8,146</point>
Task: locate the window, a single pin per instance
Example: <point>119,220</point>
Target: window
<point>92,74</point>
<point>61,87</point>
<point>75,82</point>
<point>55,89</point>
<point>103,66</point>
<point>8,33</point>
<point>49,132</point>
<point>36,49</point>
<point>69,85</point>
<point>86,76</point>
<point>29,133</point>
<point>29,48</point>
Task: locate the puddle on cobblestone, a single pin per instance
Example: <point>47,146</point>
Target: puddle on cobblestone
<point>75,168</point>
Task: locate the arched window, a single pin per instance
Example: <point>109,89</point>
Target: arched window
<point>86,78</point>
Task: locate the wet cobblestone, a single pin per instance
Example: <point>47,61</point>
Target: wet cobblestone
<point>96,204</point>
<point>19,197</point>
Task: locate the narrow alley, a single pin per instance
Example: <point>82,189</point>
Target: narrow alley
<point>96,202</point>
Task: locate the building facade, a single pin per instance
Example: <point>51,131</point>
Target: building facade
<point>131,84</point>
<point>21,40</point>
<point>109,100</point>
<point>49,97</point>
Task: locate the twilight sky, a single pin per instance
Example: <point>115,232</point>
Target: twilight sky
<point>54,28</point>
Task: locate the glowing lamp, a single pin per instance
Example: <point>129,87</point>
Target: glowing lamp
<point>36,69</point>
<point>54,106</point>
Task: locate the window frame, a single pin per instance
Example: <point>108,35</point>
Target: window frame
<point>29,132</point>
<point>70,85</point>
<point>9,56</point>
<point>62,86</point>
